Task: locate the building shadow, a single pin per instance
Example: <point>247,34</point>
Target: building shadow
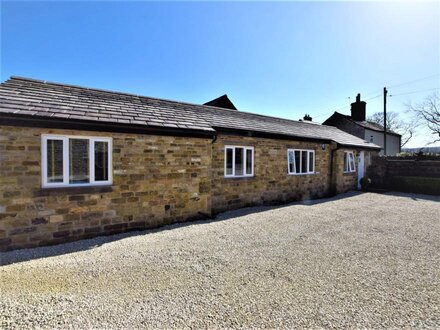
<point>16,256</point>
<point>414,196</point>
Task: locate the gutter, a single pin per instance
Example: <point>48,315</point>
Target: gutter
<point>376,147</point>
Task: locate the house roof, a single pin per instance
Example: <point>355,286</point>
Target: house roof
<point>365,123</point>
<point>37,99</point>
<point>222,102</point>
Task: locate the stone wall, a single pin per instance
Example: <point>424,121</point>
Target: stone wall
<point>343,182</point>
<point>156,180</point>
<point>271,182</point>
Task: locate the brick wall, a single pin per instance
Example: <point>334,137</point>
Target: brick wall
<point>157,180</point>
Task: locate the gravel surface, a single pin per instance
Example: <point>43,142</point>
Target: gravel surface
<point>355,261</point>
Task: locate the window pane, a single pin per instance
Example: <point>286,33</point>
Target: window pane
<point>248,161</point>
<point>311,161</point>
<point>351,156</point>
<point>345,162</point>
<point>290,161</point>
<point>228,161</point>
<point>54,161</point>
<point>239,157</point>
<point>304,162</point>
<point>79,160</point>
<point>297,161</point>
<point>101,161</point>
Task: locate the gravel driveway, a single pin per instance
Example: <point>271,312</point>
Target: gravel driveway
<point>358,261</point>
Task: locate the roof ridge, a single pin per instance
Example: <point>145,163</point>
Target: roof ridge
<point>280,118</point>
<point>357,122</point>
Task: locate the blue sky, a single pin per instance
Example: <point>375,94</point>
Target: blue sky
<point>281,59</point>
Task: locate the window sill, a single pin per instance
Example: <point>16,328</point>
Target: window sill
<point>302,174</point>
<point>238,176</point>
<point>72,190</point>
<point>76,185</point>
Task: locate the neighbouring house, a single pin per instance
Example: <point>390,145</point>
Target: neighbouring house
<point>357,125</point>
<point>222,102</point>
<point>80,162</point>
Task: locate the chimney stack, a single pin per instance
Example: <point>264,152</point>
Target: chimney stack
<point>307,117</point>
<point>358,109</point>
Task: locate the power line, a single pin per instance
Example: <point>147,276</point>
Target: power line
<point>375,92</point>
<point>379,95</point>
<point>413,92</point>
<point>415,80</point>
<point>374,97</point>
<point>331,111</point>
<point>335,109</point>
<point>323,114</point>
<point>342,107</point>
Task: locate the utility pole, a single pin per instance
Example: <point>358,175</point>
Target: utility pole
<point>385,92</point>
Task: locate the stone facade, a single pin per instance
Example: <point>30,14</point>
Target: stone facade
<point>343,182</point>
<point>271,182</point>
<point>157,180</point>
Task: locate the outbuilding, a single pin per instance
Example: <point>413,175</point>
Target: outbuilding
<point>79,162</point>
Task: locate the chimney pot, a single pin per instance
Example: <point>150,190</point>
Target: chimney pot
<point>307,117</point>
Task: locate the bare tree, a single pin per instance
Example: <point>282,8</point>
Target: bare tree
<point>428,113</point>
<point>405,128</point>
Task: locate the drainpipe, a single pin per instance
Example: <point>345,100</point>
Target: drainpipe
<point>210,215</point>
<point>214,138</point>
<point>332,191</point>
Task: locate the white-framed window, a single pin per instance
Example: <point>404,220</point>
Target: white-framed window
<point>349,166</point>
<point>300,161</point>
<point>239,161</point>
<point>75,161</point>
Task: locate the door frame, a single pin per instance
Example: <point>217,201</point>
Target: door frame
<point>361,168</point>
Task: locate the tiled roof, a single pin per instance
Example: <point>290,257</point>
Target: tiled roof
<point>40,99</point>
<point>374,126</point>
<point>36,98</point>
<point>365,123</point>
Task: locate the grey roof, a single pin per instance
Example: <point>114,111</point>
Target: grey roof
<point>36,98</point>
<point>365,123</point>
<point>374,126</point>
